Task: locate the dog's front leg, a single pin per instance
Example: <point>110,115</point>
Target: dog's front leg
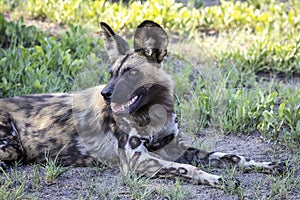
<point>135,157</point>
<point>221,160</point>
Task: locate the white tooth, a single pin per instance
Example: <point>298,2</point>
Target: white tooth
<point>130,102</point>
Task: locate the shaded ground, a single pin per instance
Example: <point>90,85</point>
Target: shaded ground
<point>107,183</point>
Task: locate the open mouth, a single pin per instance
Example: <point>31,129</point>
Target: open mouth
<point>128,106</point>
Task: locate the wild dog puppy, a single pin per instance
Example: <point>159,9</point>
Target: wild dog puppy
<point>129,122</point>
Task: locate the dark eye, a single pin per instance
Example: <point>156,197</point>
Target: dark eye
<point>127,70</point>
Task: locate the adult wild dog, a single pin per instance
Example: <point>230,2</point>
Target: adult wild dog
<point>129,122</point>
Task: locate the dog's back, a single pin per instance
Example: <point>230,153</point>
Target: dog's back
<point>34,127</point>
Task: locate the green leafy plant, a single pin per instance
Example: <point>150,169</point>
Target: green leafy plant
<point>258,16</point>
<point>284,119</point>
<point>267,55</point>
<point>34,62</point>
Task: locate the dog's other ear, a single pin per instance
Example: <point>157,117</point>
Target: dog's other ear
<point>152,40</point>
<point>115,45</point>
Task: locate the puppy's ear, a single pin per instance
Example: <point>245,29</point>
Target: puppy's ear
<point>151,40</point>
<point>115,45</point>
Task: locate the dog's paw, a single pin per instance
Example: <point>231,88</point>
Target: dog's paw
<point>226,183</point>
<point>276,168</point>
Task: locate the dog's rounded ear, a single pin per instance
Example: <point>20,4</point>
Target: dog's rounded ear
<point>152,40</point>
<point>115,45</point>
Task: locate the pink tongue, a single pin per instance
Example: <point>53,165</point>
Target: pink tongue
<point>116,108</point>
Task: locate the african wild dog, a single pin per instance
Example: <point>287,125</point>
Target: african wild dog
<point>129,122</point>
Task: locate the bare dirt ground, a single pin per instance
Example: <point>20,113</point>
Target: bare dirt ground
<point>108,183</point>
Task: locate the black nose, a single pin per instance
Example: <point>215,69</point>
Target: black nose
<point>107,93</point>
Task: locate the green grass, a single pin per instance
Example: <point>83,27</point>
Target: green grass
<point>266,55</point>
<point>52,169</point>
<point>175,191</point>
<point>258,16</point>
<point>137,185</point>
<point>11,187</point>
<point>29,57</point>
